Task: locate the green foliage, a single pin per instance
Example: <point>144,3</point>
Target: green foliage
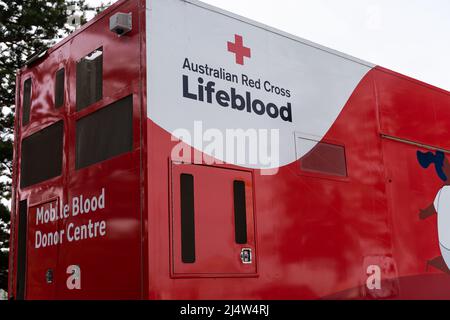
<point>26,27</point>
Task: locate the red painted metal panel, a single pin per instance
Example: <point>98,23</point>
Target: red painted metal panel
<point>313,230</point>
<point>413,110</point>
<point>411,189</point>
<point>216,252</point>
<point>111,264</point>
<point>42,250</point>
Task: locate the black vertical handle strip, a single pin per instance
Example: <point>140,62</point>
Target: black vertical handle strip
<point>187,218</point>
<point>240,213</point>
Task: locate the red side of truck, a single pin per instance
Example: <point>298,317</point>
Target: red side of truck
<point>312,235</point>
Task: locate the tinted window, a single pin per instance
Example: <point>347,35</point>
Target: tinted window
<point>59,88</point>
<point>105,133</point>
<point>325,158</point>
<point>26,102</point>
<point>42,153</point>
<point>89,79</point>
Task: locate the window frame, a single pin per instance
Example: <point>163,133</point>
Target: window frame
<point>62,171</point>
<point>63,98</point>
<point>83,115</point>
<point>22,109</point>
<point>78,107</point>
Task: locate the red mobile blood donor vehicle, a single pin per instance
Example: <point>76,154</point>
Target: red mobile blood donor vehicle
<point>126,187</point>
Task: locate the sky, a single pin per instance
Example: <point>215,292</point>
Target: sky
<point>408,36</point>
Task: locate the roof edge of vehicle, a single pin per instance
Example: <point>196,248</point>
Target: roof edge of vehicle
<point>254,23</point>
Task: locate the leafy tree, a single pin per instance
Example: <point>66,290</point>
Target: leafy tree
<point>26,27</point>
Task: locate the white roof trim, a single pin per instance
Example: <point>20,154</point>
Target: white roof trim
<point>277,31</point>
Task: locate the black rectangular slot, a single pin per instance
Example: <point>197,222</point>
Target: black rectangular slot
<point>22,250</point>
<point>59,88</point>
<point>26,102</point>
<point>187,218</point>
<point>41,155</point>
<point>240,212</point>
<point>105,133</point>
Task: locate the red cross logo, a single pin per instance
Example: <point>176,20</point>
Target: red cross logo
<point>238,49</point>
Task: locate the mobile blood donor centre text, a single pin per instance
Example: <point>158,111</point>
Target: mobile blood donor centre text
<point>79,206</point>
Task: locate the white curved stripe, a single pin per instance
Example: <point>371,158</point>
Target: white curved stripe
<point>320,82</point>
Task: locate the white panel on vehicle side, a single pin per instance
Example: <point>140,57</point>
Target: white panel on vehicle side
<point>296,87</point>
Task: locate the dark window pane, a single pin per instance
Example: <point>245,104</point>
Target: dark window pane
<point>187,218</point>
<point>325,158</point>
<point>21,250</point>
<point>89,79</point>
<point>105,133</point>
<point>240,214</point>
<point>26,102</point>
<point>42,154</point>
<point>59,88</point>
